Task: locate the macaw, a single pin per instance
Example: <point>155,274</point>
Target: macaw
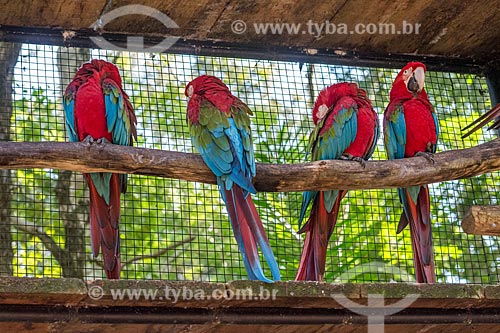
<point>346,128</point>
<point>97,108</point>
<point>411,129</point>
<point>483,120</point>
<point>219,126</point>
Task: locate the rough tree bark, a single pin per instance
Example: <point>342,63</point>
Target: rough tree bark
<point>318,175</point>
<point>482,220</point>
<point>73,214</point>
<point>9,53</point>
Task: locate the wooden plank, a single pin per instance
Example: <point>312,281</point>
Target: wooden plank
<point>30,304</point>
<point>482,220</point>
<point>15,290</point>
<point>72,327</point>
<point>235,294</point>
<point>194,19</point>
<point>50,13</point>
<point>465,29</point>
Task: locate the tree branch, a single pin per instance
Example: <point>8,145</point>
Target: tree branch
<point>146,256</point>
<point>158,253</point>
<point>37,231</point>
<point>319,175</point>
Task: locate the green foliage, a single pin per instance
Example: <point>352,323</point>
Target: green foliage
<point>157,212</point>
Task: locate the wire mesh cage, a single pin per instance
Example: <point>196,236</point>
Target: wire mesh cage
<point>178,230</point>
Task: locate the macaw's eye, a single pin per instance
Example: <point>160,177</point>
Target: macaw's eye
<point>405,72</point>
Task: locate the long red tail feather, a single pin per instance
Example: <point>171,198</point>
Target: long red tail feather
<point>250,234</point>
<point>318,229</point>
<point>421,237</point>
<point>104,225</point>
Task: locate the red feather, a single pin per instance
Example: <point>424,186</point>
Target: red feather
<point>365,135</point>
<point>104,225</point>
<point>421,236</point>
<point>90,111</point>
<point>420,127</point>
<point>319,229</point>
<point>320,225</point>
<point>248,229</point>
<point>421,136</point>
<point>90,120</point>
<point>212,89</point>
<point>240,223</point>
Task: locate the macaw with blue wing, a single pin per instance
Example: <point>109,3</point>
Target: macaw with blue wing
<point>411,129</point>
<point>219,125</point>
<point>346,128</point>
<point>97,109</point>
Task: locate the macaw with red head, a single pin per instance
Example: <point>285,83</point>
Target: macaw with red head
<point>97,109</point>
<point>411,129</point>
<point>219,125</point>
<point>346,128</point>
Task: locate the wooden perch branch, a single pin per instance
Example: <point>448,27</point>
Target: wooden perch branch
<point>320,175</point>
<point>482,220</point>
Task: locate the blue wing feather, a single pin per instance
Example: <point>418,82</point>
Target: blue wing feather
<point>224,143</point>
<point>374,143</point>
<point>331,145</point>
<point>69,110</point>
<point>333,142</point>
<point>307,198</point>
<point>337,139</point>
<point>436,122</point>
<point>117,119</point>
<point>395,133</point>
<point>222,147</point>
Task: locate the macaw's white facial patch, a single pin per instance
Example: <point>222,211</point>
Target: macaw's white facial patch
<point>322,110</point>
<point>190,91</point>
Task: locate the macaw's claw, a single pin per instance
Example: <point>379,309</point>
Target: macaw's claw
<point>88,140</point>
<point>349,157</point>
<point>428,156</point>
<point>102,141</point>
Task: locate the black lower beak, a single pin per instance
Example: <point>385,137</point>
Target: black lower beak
<point>413,84</point>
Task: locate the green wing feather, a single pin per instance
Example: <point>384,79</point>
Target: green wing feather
<point>330,145</point>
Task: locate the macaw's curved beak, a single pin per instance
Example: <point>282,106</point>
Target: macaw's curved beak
<point>416,82</point>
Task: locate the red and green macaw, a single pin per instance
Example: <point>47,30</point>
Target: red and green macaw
<point>493,114</point>
<point>411,129</point>
<point>97,108</point>
<point>219,125</point>
<point>346,128</point>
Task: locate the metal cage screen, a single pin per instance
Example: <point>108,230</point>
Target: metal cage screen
<point>178,230</point>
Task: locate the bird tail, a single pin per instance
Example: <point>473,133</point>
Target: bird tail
<point>250,234</point>
<point>104,218</point>
<point>318,230</point>
<point>417,213</point>
<point>483,120</point>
